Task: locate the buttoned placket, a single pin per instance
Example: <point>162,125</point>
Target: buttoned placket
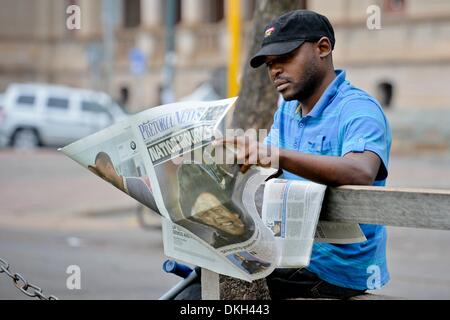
<point>302,125</point>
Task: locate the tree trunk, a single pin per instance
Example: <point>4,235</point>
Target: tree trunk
<point>255,108</point>
<point>258,98</point>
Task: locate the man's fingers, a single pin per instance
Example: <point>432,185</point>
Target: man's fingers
<point>93,169</point>
<point>218,142</point>
<point>251,159</point>
<point>236,140</point>
<point>245,150</point>
<point>245,167</point>
<point>242,155</point>
<point>222,141</point>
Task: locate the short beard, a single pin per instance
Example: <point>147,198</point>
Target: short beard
<point>308,84</point>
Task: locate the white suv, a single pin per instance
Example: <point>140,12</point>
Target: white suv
<point>47,115</point>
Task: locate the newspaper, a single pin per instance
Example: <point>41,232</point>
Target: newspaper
<point>291,209</point>
<point>163,157</point>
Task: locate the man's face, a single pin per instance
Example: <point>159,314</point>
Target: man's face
<point>223,219</point>
<point>297,74</point>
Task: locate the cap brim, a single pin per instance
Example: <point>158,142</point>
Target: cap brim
<point>274,49</point>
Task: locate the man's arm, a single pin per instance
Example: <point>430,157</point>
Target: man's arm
<point>352,169</point>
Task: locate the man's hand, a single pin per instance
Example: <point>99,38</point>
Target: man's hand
<point>251,152</point>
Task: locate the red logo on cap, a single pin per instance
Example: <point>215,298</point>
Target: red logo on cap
<point>269,32</point>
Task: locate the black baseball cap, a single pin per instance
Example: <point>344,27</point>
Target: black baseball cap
<point>290,31</point>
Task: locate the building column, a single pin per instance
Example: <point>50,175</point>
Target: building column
<point>152,13</point>
<point>192,15</point>
<point>148,38</point>
<point>193,11</point>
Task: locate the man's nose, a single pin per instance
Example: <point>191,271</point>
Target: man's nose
<point>275,70</point>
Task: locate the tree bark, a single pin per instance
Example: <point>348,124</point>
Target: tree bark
<point>258,98</point>
<point>255,108</point>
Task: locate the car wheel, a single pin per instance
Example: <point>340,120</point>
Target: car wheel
<point>25,139</point>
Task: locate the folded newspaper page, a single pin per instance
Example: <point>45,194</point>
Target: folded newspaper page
<point>291,209</point>
<point>164,158</point>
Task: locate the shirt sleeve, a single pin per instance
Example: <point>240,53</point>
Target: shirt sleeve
<point>363,127</point>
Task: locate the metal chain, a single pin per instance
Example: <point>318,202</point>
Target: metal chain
<point>22,284</point>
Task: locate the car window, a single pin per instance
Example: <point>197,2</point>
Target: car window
<point>26,101</point>
<point>94,107</point>
<point>116,108</point>
<point>91,106</point>
<point>58,103</point>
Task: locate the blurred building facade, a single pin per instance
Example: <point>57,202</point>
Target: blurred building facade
<point>405,62</point>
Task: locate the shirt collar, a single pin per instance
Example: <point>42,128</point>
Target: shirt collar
<point>328,94</point>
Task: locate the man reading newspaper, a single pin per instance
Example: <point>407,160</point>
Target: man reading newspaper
<point>326,131</point>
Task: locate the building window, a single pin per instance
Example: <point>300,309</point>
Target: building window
<point>385,94</point>
<point>215,11</point>
<point>131,13</point>
<point>178,5</point>
<point>394,6</point>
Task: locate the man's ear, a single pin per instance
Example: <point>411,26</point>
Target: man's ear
<point>325,47</point>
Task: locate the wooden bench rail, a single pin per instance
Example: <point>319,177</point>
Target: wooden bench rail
<point>400,207</point>
<point>414,208</point>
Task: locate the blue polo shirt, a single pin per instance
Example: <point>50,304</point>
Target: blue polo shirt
<point>345,119</point>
